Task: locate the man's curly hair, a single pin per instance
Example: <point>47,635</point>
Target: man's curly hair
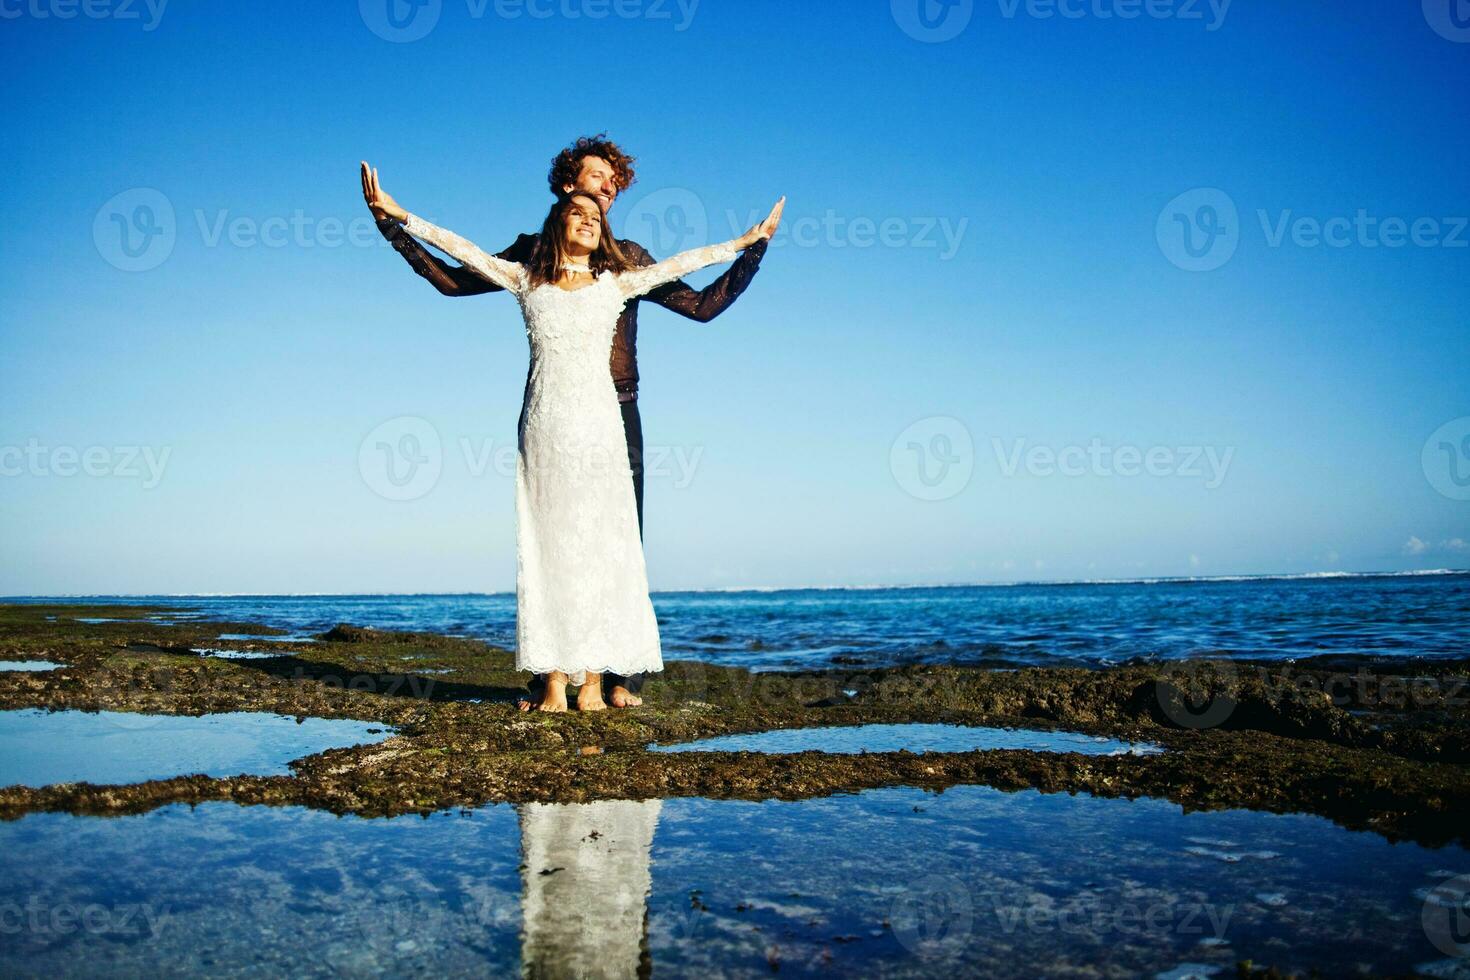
<point>567,164</point>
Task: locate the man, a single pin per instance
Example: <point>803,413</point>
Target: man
<point>596,165</point>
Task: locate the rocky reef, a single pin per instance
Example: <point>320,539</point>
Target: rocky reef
<point>1371,743</point>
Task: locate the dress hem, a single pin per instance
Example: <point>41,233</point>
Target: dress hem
<point>624,669</point>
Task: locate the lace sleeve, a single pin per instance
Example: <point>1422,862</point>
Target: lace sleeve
<point>636,282</point>
<point>502,272</point>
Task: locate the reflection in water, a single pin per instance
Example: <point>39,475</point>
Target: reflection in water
<point>585,882</point>
<point>898,882</point>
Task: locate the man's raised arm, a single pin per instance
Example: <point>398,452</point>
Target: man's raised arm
<point>707,303</point>
<point>451,280</point>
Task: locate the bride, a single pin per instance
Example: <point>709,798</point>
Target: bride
<point>582,604</point>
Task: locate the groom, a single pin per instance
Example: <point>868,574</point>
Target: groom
<point>596,166</point>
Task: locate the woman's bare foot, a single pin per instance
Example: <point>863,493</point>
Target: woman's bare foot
<point>589,698</point>
<point>621,697</point>
<point>555,698</point>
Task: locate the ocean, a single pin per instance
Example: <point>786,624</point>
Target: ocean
<point>1077,624</point>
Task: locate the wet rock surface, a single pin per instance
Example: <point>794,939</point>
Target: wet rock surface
<point>1376,744</point>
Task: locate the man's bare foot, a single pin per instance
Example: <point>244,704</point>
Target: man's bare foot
<point>555,698</point>
<point>536,690</point>
<point>589,697</point>
<point>621,697</point>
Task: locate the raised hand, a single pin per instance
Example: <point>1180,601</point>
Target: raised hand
<point>765,229</point>
<point>379,201</point>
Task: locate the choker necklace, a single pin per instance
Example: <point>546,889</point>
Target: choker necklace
<point>576,267</point>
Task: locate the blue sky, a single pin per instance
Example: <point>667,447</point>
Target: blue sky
<point>981,349</point>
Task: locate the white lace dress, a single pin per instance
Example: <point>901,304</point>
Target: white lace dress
<point>581,584</point>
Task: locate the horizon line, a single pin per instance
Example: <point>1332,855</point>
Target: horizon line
<point>1150,580</point>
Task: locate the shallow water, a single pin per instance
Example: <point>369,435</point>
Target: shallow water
<point>29,665</point>
<point>852,739</point>
<point>1002,626</point>
<point>240,654</point>
<point>888,882</point>
<point>38,748</point>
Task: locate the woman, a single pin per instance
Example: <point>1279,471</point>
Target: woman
<point>582,604</point>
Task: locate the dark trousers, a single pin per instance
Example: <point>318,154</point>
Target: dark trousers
<point>633,433</point>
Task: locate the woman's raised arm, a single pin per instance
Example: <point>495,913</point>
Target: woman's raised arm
<point>636,282</point>
<point>504,273</point>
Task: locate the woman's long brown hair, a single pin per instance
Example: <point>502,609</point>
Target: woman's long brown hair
<point>546,257</point>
